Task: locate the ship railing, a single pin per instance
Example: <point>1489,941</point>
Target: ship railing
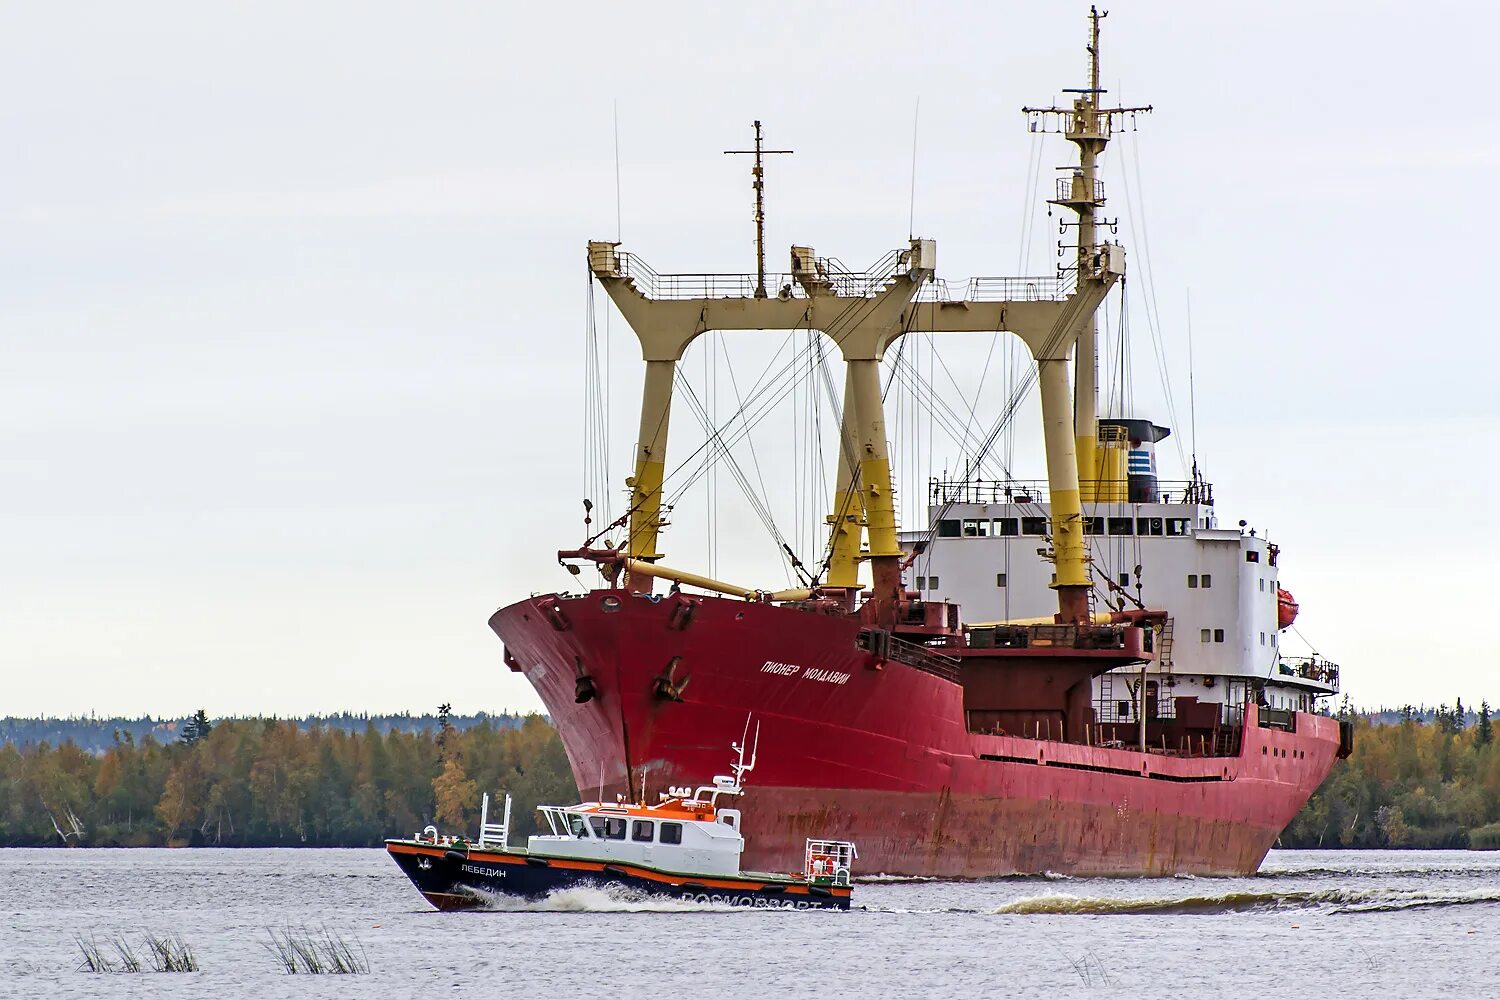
<point>1310,668</point>
<point>1042,288</point>
<point>861,284</point>
<point>923,658</point>
<point>829,861</point>
<point>700,286</point>
<point>1065,190</point>
<point>1030,491</point>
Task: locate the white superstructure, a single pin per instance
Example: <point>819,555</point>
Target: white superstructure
<point>1156,546</point>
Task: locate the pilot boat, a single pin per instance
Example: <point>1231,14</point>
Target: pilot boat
<point>684,847</point>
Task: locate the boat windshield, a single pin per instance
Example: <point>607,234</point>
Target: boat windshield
<point>576,826</point>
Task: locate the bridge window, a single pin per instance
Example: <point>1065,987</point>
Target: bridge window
<point>1148,526</point>
<point>1033,525</point>
<point>949,528</point>
<point>1006,526</point>
<point>1207,580</point>
<point>999,579</point>
<point>1252,555</point>
<point>1093,526</point>
<point>976,527</point>
<point>1121,526</point>
<point>643,830</point>
<point>1192,581</point>
<point>1177,526</point>
<point>1122,709</point>
<point>1207,635</point>
<point>671,833</point>
<point>1218,635</point>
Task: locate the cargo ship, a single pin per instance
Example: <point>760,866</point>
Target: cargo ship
<point>1081,675</point>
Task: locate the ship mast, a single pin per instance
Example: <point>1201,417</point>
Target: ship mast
<point>758,182</point>
<point>1090,127</point>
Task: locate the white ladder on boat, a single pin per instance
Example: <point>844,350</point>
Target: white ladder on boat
<point>494,833</point>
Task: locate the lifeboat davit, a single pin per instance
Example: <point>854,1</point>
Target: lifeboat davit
<point>1286,608</point>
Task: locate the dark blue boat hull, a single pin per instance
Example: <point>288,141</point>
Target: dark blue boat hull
<point>459,877</point>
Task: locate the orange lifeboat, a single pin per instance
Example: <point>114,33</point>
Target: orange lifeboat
<point>1286,608</point>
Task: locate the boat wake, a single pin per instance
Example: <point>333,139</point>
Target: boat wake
<point>1329,901</point>
<point>595,899</point>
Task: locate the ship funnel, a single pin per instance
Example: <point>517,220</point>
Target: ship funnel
<point>1140,456</point>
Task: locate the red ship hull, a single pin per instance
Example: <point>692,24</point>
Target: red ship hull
<point>880,752</point>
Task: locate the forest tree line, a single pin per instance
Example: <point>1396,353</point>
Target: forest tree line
<point>1427,780</point>
<point>273,783</point>
<point>1422,781</point>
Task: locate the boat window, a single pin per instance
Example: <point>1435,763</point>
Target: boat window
<point>671,833</point>
<point>1148,526</point>
<point>1006,526</point>
<point>1252,555</point>
<point>950,529</point>
<point>1207,635</point>
<point>1124,579</point>
<point>921,583</point>
<point>1218,635</point>
<point>1177,526</point>
<point>643,830</point>
<point>932,583</point>
<point>1093,526</point>
<point>1033,525</point>
<point>1122,709</point>
<point>1207,580</point>
<point>576,826</point>
<point>614,828</point>
<point>976,527</point>
<point>596,823</point>
<point>1121,526</point>
<point>1262,583</point>
<point>1192,581</point>
<point>999,579</point>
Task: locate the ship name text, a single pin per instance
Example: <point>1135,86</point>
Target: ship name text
<point>806,673</point>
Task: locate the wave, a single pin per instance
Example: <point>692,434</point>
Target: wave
<point>1378,871</point>
<point>597,899</point>
<point>1329,900</point>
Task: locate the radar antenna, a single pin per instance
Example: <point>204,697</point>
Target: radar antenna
<point>758,182</point>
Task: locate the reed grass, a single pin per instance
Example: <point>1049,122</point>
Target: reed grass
<point>169,953</point>
<point>165,952</point>
<point>94,959</point>
<point>316,952</point>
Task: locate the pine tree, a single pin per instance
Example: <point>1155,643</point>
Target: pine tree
<point>445,730</point>
<point>1482,733</point>
<point>196,728</point>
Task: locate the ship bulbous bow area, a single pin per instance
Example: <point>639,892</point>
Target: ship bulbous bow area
<point>897,748</point>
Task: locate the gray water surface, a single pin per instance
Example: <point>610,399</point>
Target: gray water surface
<point>1313,923</point>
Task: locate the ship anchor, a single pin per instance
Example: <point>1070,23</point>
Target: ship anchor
<point>665,686</point>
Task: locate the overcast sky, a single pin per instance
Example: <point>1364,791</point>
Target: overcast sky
<point>293,305</point>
